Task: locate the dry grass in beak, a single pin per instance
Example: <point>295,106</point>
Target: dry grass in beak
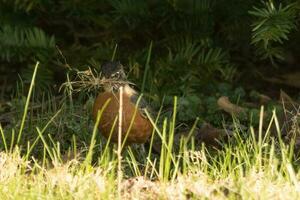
<point>88,80</point>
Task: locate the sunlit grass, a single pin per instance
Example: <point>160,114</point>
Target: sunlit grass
<point>259,166</point>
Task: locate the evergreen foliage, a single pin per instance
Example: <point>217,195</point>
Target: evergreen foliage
<point>194,41</point>
<point>273,25</point>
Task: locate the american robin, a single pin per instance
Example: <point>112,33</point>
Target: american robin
<point>134,118</point>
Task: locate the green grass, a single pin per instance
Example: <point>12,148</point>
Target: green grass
<point>59,154</point>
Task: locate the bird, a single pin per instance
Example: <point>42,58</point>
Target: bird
<point>134,118</point>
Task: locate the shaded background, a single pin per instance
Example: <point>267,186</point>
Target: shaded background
<point>199,50</point>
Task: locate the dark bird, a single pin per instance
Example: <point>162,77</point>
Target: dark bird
<point>133,116</point>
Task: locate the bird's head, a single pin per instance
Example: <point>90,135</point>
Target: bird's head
<point>114,75</point>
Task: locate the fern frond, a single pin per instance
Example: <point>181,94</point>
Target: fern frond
<point>18,43</point>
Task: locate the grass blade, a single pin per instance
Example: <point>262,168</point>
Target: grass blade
<point>27,102</point>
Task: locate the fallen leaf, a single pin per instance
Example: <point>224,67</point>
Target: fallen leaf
<point>225,104</point>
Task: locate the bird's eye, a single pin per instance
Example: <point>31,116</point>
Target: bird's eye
<point>116,75</point>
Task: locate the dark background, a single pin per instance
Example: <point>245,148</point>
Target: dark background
<point>198,50</point>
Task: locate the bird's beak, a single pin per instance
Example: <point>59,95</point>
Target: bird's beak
<point>123,76</point>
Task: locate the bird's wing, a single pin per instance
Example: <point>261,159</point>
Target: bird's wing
<point>142,104</point>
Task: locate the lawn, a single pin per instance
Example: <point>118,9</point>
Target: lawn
<point>53,150</point>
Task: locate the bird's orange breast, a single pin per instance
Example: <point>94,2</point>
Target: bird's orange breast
<point>138,127</point>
